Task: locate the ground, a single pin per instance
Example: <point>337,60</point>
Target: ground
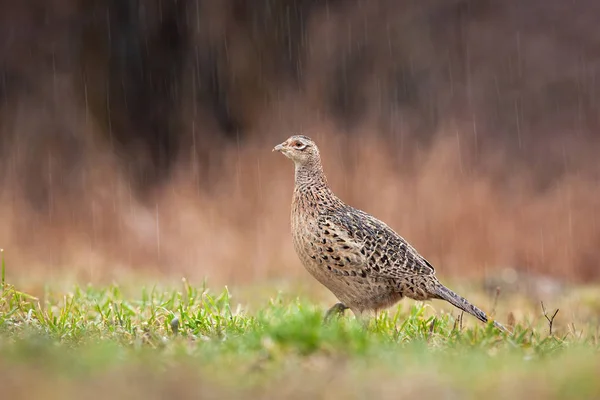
<point>183,340</point>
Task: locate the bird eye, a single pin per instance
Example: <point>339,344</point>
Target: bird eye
<point>299,145</point>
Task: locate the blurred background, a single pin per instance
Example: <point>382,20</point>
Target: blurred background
<point>136,135</point>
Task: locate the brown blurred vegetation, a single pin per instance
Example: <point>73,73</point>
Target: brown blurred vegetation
<point>137,134</point>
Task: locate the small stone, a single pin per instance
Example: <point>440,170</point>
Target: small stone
<point>175,325</point>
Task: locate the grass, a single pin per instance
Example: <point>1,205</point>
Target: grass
<point>191,342</point>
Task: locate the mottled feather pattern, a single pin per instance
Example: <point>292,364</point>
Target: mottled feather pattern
<point>360,259</point>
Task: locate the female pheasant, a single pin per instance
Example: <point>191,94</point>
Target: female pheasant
<point>361,260</point>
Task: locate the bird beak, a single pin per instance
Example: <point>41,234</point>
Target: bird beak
<point>279,147</point>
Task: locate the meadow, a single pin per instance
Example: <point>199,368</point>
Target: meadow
<point>183,340</point>
<point>135,149</point>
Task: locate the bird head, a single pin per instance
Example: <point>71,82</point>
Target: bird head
<point>300,149</point>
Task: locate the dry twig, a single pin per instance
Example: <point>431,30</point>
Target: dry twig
<point>431,328</point>
<point>495,301</point>
<point>550,319</point>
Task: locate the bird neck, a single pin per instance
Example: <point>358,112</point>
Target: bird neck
<point>310,175</point>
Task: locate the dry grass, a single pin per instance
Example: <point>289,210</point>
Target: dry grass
<point>450,208</point>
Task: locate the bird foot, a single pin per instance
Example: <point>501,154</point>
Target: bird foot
<point>336,311</point>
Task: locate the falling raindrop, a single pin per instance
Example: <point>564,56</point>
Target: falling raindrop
<point>157,233</point>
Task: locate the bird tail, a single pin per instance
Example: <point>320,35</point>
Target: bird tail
<point>460,302</point>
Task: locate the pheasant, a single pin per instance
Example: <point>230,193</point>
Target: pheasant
<point>361,260</point>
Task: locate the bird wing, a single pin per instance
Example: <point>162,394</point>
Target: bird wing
<point>337,245</point>
<point>368,243</point>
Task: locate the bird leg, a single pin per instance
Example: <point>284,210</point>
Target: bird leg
<point>337,310</point>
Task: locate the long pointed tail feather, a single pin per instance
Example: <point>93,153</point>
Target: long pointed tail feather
<point>460,302</point>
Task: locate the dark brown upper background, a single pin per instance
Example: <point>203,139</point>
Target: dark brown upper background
<point>137,134</point>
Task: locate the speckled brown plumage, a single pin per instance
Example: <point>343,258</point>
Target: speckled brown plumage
<point>360,259</point>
